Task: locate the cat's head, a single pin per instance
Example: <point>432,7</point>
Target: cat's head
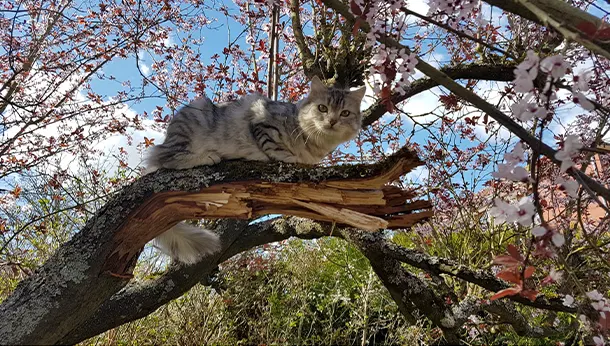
<point>331,113</point>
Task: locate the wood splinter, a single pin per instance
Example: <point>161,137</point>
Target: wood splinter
<point>360,196</point>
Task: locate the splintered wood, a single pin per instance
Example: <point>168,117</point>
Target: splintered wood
<point>369,203</point>
<point>361,196</point>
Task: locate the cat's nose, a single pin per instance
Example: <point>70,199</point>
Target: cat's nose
<point>332,122</point>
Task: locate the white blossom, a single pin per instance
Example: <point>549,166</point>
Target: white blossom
<point>599,340</point>
<point>594,295</point>
<point>505,212</point>
<point>571,147</point>
<point>580,99</point>
<point>539,231</point>
<point>555,65</point>
<point>558,239</point>
<point>569,186</point>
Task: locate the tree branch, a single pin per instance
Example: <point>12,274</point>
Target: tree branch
<point>309,61</point>
<point>138,299</point>
<point>571,22</point>
<point>405,288</point>
<point>494,72</point>
<point>86,271</point>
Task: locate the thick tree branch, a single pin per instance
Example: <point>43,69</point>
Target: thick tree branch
<point>405,288</point>
<point>98,261</point>
<point>507,313</point>
<point>573,23</point>
<point>140,298</point>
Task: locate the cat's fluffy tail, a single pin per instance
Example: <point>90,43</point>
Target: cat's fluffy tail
<point>187,243</point>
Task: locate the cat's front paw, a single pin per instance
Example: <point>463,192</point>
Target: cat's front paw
<point>210,158</point>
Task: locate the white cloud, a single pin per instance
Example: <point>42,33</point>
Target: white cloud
<point>419,7</point>
<point>131,144</point>
<point>144,68</point>
<point>422,106</point>
<point>418,175</point>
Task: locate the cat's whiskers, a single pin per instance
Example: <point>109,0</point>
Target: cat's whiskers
<point>314,132</point>
<point>301,132</point>
<point>308,129</point>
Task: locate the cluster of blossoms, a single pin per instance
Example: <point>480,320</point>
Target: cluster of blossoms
<point>391,67</point>
<point>522,214</point>
<point>571,148</point>
<point>556,67</point>
<point>525,74</point>
<point>600,304</point>
<point>455,10</point>
<point>526,109</point>
<point>510,170</point>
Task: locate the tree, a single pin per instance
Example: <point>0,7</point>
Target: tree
<point>518,54</point>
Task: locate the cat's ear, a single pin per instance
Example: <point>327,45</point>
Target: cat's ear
<point>358,93</point>
<point>317,87</point>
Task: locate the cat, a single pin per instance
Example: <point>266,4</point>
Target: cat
<point>251,128</point>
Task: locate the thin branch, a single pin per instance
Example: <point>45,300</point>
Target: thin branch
<point>309,61</point>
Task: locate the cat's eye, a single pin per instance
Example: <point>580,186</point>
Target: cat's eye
<point>322,108</point>
<point>345,113</point>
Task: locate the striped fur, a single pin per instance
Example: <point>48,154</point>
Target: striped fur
<point>255,128</point>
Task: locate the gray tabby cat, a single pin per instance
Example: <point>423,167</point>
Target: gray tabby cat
<point>251,128</point>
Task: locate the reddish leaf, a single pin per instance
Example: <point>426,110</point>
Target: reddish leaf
<point>386,99</point>
<point>510,276</point>
<point>355,8</point>
<point>508,261</point>
<point>16,191</point>
<point>593,31</point>
<point>506,292</point>
<point>356,26</point>
<point>514,252</point>
<point>529,294</point>
<point>529,271</point>
<point>450,101</point>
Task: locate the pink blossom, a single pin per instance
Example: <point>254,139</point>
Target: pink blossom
<point>599,340</point>
<point>581,81</point>
<point>558,239</point>
<point>380,57</point>
<point>571,147</point>
<point>505,212</point>
<point>516,155</point>
<point>555,65</point>
<point>531,61</point>
<point>539,231</point>
<point>525,111</point>
<point>524,80</point>
<point>554,276</point>
<point>569,186</point>
<point>580,99</point>
<point>508,172</point>
<point>502,211</point>
<point>594,295</point>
